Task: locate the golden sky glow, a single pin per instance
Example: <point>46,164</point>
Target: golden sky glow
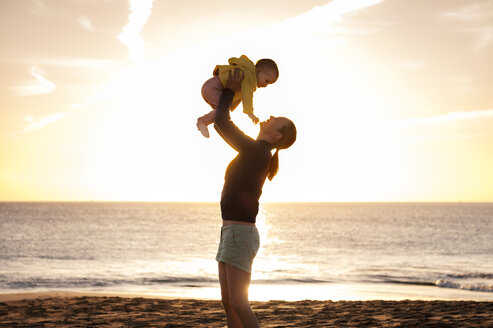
<point>392,99</point>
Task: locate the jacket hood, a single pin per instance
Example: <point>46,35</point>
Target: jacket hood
<point>245,63</point>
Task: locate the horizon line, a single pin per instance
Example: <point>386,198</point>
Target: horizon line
<point>267,202</point>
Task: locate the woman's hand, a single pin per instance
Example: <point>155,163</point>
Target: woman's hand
<point>234,79</point>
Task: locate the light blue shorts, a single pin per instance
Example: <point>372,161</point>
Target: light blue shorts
<point>238,246</point>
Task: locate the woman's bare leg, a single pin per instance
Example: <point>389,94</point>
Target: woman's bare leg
<point>238,283</point>
<point>231,315</point>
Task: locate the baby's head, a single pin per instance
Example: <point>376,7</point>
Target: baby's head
<point>267,72</point>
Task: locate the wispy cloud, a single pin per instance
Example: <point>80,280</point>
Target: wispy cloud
<point>321,17</point>
<point>449,117</point>
<point>79,106</point>
<point>36,124</point>
<point>73,62</point>
<point>41,85</point>
<point>140,10</point>
<point>477,19</point>
<point>410,64</point>
<point>324,26</point>
<point>86,23</point>
<point>38,7</point>
<point>416,139</point>
<point>472,12</point>
<point>325,18</point>
<point>461,84</point>
<point>484,37</point>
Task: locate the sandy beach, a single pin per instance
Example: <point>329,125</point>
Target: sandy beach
<point>79,310</point>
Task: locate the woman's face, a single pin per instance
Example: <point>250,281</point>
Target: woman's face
<point>273,124</point>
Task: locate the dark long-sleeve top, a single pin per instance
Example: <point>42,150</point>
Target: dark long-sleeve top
<point>246,173</point>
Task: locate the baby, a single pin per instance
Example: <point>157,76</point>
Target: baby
<point>261,74</point>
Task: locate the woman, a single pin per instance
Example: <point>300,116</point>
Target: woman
<point>243,183</point>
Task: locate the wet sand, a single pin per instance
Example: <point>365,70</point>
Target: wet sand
<point>73,310</point>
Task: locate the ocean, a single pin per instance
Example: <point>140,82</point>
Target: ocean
<point>328,251</point>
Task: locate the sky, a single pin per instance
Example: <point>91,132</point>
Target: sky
<point>392,99</point>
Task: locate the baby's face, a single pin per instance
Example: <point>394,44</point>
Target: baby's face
<point>264,78</point>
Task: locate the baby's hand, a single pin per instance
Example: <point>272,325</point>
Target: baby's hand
<point>254,118</point>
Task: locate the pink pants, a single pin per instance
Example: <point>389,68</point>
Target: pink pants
<point>212,91</point>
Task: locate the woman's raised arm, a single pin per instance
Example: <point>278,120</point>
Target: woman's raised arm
<point>223,124</point>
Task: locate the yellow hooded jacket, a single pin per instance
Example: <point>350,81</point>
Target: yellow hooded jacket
<point>248,85</point>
